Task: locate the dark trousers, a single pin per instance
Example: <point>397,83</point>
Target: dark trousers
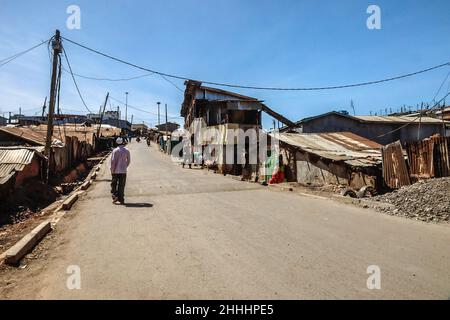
<point>118,186</point>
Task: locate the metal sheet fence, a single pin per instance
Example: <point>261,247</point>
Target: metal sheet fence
<point>395,169</point>
<point>428,158</point>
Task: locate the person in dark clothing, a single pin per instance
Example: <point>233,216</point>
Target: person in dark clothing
<point>120,160</point>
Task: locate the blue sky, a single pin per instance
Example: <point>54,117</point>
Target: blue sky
<point>264,43</point>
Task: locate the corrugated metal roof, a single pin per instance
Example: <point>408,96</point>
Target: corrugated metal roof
<point>26,134</point>
<point>368,119</point>
<point>398,119</point>
<point>202,90</point>
<point>37,134</point>
<point>16,159</point>
<point>340,146</point>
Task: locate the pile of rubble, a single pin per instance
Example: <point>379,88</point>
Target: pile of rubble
<point>426,200</point>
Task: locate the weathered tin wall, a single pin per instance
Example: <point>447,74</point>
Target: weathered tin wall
<point>373,131</point>
<point>395,170</point>
<point>429,158</point>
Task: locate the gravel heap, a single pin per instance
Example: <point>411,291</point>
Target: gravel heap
<point>426,200</point>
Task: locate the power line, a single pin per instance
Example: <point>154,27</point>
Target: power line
<point>442,84</point>
<point>74,81</point>
<point>126,79</point>
<point>173,84</point>
<point>109,79</point>
<point>437,104</point>
<point>140,109</point>
<point>17,55</point>
<point>256,87</point>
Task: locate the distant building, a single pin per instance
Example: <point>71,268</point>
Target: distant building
<point>318,159</point>
<point>171,126</point>
<point>224,110</point>
<point>118,123</point>
<point>139,128</point>
<point>444,113</point>
<point>3,121</point>
<point>382,129</point>
<point>18,164</point>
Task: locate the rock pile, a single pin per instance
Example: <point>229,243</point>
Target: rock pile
<point>426,200</point>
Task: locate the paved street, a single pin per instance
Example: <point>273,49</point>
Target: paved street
<point>188,234</point>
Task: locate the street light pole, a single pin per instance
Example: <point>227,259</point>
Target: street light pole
<point>166,119</point>
<point>158,103</point>
<point>126,106</point>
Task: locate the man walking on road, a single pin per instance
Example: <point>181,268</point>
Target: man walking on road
<point>120,160</point>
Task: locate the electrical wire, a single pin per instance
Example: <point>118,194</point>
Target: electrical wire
<point>442,84</point>
<point>140,109</point>
<point>109,79</point>
<point>126,79</point>
<point>256,87</point>
<point>17,55</point>
<point>437,104</point>
<point>74,81</point>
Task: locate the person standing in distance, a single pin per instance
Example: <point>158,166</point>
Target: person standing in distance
<point>120,160</point>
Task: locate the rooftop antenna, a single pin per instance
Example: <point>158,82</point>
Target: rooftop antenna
<point>352,105</point>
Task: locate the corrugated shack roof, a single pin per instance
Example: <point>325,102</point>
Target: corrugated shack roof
<point>399,119</point>
<point>340,146</point>
<point>14,159</point>
<point>36,134</point>
<point>370,119</point>
<point>25,133</point>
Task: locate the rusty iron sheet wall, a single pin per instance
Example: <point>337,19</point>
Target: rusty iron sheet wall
<point>441,156</point>
<point>73,152</point>
<point>395,170</point>
<point>429,158</point>
<point>420,157</point>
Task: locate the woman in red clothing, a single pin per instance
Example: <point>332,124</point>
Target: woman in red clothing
<point>279,174</point>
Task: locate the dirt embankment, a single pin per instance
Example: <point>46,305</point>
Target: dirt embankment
<point>34,201</point>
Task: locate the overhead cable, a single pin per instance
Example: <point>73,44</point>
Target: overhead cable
<point>258,87</point>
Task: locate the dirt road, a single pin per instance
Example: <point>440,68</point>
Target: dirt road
<point>190,234</point>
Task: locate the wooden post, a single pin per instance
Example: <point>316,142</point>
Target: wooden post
<point>43,108</point>
<point>101,115</point>
<point>56,45</point>
<point>158,103</point>
<point>118,117</point>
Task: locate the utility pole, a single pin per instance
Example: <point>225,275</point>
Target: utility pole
<point>9,119</point>
<point>101,115</point>
<point>56,45</point>
<point>131,120</point>
<point>43,108</point>
<point>159,123</point>
<point>126,106</point>
<point>166,119</point>
<point>352,105</point>
<point>420,122</point>
<point>118,117</point>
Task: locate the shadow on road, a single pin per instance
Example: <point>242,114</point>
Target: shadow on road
<point>138,205</point>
